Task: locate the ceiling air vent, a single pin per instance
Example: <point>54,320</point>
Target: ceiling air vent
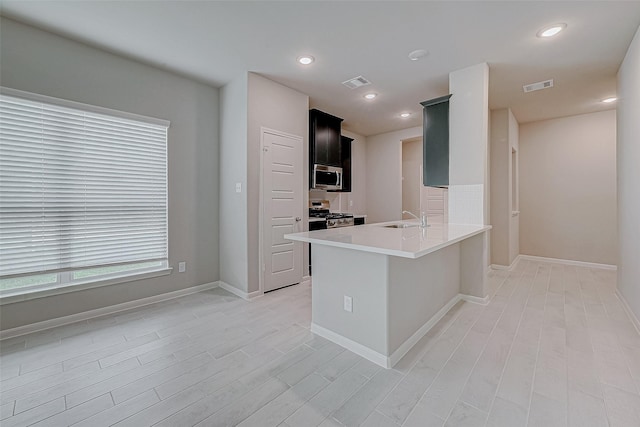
<point>538,86</point>
<point>356,82</point>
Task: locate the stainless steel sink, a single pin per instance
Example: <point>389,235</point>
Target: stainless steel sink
<point>401,225</point>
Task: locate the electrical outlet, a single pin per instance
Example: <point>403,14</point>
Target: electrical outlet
<point>238,187</point>
<point>348,304</point>
<point>182,267</point>
<point>350,203</point>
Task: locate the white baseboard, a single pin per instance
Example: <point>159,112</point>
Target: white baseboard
<point>240,293</point>
<point>569,262</point>
<point>86,315</point>
<point>251,295</point>
<point>505,267</point>
<point>355,347</point>
<point>417,336</point>
<point>254,295</point>
<point>630,312</point>
<point>475,300</point>
<point>390,361</point>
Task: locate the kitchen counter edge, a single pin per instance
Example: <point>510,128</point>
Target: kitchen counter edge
<point>309,237</point>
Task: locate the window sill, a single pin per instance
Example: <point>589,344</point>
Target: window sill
<point>17,295</point>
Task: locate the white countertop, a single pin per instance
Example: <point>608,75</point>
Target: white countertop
<point>412,242</point>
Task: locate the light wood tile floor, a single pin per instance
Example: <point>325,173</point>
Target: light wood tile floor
<point>554,347</point>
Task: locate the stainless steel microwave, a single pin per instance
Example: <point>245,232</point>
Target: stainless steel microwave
<point>327,177</point>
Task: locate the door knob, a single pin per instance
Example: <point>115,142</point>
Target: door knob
<point>298,219</point>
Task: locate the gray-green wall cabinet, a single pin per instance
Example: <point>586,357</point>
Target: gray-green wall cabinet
<point>435,141</point>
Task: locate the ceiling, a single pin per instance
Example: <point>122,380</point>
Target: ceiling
<point>215,42</point>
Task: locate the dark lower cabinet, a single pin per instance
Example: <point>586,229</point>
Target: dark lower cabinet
<point>315,225</point>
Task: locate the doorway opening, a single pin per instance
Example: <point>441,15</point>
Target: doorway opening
<point>417,198</point>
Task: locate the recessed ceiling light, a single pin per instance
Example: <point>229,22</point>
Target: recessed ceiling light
<point>609,100</point>
<point>306,59</point>
<point>371,95</point>
<point>405,115</point>
<point>417,54</point>
<point>551,30</point>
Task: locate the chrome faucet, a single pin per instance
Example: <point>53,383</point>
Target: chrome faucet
<point>422,219</point>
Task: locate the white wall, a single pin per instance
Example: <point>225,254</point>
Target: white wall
<point>499,174</point>
<point>468,145</point>
<point>417,198</point>
<point>628,157</point>
<point>412,177</point>
<point>568,188</point>
<point>233,169</point>
<point>505,233</point>
<point>384,174</point>
<point>514,169</point>
<point>357,198</point>
<point>40,62</point>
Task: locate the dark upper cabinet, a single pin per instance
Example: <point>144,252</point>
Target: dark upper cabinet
<point>346,163</point>
<point>435,142</point>
<point>324,139</point>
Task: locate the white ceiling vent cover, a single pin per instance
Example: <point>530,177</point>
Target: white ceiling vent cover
<point>538,86</point>
<point>356,82</point>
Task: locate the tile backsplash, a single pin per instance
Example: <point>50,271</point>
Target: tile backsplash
<point>466,204</point>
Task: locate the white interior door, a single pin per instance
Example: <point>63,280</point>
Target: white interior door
<point>282,209</point>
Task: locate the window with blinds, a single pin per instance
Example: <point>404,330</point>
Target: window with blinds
<point>80,188</point>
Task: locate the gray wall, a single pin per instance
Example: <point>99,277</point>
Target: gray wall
<point>277,107</point>
<point>568,188</point>
<point>40,62</point>
<point>249,103</point>
<point>628,157</point>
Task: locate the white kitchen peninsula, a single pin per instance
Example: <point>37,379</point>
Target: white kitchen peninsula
<point>401,282</point>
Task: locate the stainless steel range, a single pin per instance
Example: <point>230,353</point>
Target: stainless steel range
<point>335,220</point>
<point>320,209</point>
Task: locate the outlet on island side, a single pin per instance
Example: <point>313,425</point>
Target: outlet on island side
<point>348,304</point>
<point>182,267</point>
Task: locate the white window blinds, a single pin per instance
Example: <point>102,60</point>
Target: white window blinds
<point>79,188</point>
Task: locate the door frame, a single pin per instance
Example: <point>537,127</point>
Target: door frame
<point>264,130</point>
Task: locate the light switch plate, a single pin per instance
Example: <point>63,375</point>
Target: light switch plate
<point>182,267</point>
<point>348,304</point>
